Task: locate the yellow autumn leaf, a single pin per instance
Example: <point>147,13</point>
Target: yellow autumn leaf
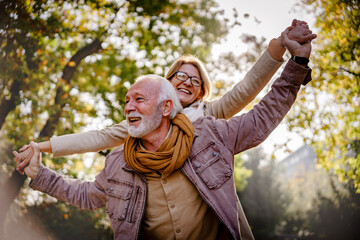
<point>72,64</point>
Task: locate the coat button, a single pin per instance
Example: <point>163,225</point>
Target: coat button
<point>214,154</point>
<point>164,181</point>
<point>178,230</point>
<point>172,205</point>
<point>197,165</point>
<point>111,188</point>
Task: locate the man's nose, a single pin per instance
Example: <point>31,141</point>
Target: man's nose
<point>129,107</point>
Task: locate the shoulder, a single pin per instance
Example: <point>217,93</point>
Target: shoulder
<point>209,126</point>
<point>116,155</point>
<point>208,121</point>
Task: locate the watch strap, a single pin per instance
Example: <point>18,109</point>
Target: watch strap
<point>300,60</point>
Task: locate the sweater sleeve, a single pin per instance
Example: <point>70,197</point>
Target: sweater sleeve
<point>91,141</point>
<point>246,90</point>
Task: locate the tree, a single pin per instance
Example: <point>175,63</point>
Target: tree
<point>327,111</point>
<point>263,201</point>
<point>66,62</point>
<point>336,217</point>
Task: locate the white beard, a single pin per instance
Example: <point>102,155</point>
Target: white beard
<point>147,125</point>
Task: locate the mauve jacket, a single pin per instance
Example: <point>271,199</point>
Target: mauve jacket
<point>209,167</point>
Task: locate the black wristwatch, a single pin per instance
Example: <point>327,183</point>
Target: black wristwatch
<point>300,60</point>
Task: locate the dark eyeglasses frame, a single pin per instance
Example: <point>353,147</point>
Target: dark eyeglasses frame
<point>191,79</point>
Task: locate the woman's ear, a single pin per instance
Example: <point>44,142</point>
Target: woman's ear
<point>167,107</point>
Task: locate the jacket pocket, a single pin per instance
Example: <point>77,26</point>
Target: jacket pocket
<point>211,166</point>
<point>119,195</point>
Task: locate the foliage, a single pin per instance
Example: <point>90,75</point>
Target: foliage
<point>234,66</point>
<point>328,109</point>
<point>321,207</point>
<point>69,222</point>
<point>262,199</point>
<point>241,173</point>
<point>66,64</point>
<point>336,217</point>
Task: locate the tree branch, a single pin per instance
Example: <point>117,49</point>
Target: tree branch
<point>348,71</point>
<point>61,92</point>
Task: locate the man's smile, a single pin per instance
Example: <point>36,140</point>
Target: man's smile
<point>133,120</point>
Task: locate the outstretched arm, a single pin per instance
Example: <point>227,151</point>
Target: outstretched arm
<point>91,141</point>
<point>253,127</point>
<point>259,75</point>
<point>89,195</point>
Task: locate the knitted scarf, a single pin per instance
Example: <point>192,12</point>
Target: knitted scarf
<point>171,154</point>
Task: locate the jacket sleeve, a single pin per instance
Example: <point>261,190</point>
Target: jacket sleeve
<point>246,90</point>
<point>91,141</point>
<point>87,195</point>
<point>252,128</point>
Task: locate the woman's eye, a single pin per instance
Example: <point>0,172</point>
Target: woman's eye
<point>182,76</point>
<point>197,81</point>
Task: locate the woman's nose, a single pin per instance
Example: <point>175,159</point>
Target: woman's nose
<point>188,82</point>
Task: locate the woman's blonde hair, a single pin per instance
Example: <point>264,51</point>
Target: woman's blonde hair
<point>190,59</point>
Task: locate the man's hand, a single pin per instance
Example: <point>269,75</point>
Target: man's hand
<point>295,48</point>
<point>34,166</point>
<point>299,31</point>
<point>23,158</point>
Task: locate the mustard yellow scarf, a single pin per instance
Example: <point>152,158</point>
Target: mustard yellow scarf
<point>171,154</point>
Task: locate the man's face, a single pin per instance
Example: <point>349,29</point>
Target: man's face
<point>142,111</point>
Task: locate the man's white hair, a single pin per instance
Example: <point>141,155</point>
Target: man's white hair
<point>166,92</point>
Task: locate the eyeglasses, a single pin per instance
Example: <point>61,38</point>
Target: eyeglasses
<point>183,77</point>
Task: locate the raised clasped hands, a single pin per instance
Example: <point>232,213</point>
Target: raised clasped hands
<point>297,39</point>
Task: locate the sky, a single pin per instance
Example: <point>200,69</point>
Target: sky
<point>272,17</point>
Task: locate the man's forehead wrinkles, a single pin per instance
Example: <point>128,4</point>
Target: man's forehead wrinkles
<point>138,92</point>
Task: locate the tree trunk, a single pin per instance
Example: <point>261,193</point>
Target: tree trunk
<point>16,181</point>
<point>7,105</point>
<point>8,193</point>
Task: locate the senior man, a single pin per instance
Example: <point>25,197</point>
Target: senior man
<point>172,179</point>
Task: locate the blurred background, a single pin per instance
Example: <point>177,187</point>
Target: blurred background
<point>65,67</point>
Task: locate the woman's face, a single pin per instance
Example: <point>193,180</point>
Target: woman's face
<point>186,91</point>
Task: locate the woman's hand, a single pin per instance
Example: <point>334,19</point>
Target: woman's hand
<point>295,48</point>
<point>23,158</point>
<point>33,167</point>
<point>299,31</point>
<point>26,152</point>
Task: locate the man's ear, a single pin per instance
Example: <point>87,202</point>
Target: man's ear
<point>167,107</point>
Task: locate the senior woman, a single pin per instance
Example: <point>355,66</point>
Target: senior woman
<point>190,79</point>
